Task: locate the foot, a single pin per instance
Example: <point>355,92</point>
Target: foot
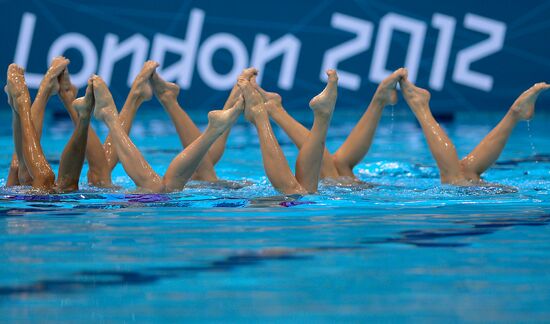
<point>164,90</point>
<point>417,98</point>
<point>85,105</point>
<point>221,120</point>
<point>16,87</point>
<point>323,104</point>
<point>67,91</point>
<point>104,104</point>
<point>524,106</point>
<point>274,102</point>
<point>386,93</point>
<point>254,103</point>
<point>50,82</point>
<point>141,87</point>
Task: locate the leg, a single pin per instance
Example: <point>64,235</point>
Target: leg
<point>33,156</point>
<point>184,165</point>
<point>13,178</point>
<point>72,158</point>
<point>308,164</point>
<point>360,139</point>
<point>488,151</point>
<point>99,174</point>
<point>275,164</point>
<point>141,91</point>
<point>443,150</point>
<point>167,94</point>
<point>218,148</point>
<point>296,131</point>
<point>13,175</point>
<point>131,158</point>
<point>48,87</point>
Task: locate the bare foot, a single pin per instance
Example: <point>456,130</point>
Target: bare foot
<point>67,91</point>
<point>386,93</point>
<point>323,104</point>
<point>85,105</point>
<point>524,106</point>
<point>16,88</point>
<point>417,98</point>
<point>164,90</point>
<point>104,103</point>
<point>254,103</point>
<point>50,82</point>
<point>273,101</point>
<point>142,84</point>
<point>223,119</point>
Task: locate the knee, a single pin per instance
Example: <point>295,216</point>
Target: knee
<point>343,167</point>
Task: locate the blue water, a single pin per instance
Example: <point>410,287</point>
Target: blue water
<point>406,249</point>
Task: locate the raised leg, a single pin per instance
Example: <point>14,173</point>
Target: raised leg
<point>308,164</point>
<point>13,175</point>
<point>275,163</point>
<point>489,149</point>
<point>131,158</point>
<point>99,173</point>
<point>33,156</point>
<point>297,132</point>
<point>72,158</point>
<point>167,94</point>
<point>360,139</point>
<point>48,87</point>
<point>184,165</point>
<point>443,150</point>
<point>140,92</point>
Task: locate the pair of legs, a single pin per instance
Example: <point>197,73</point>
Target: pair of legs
<point>352,151</point>
<point>468,170</point>
<point>29,153</point>
<point>312,148</point>
<point>184,165</point>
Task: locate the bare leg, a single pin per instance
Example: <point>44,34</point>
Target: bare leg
<point>72,158</point>
<point>167,94</point>
<point>13,175</point>
<point>308,164</point>
<point>184,165</point>
<point>297,132</point>
<point>141,91</point>
<point>275,164</point>
<point>489,149</point>
<point>99,174</point>
<point>218,148</point>
<point>48,87</point>
<point>360,139</point>
<point>443,150</point>
<point>33,156</point>
<point>13,178</point>
<point>131,158</point>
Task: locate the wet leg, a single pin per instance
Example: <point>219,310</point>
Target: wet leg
<point>13,175</point>
<point>72,158</point>
<point>131,158</point>
<point>443,150</point>
<point>99,174</point>
<point>185,164</point>
<point>48,87</point>
<point>360,139</point>
<point>33,156</point>
<point>308,164</point>
<point>489,149</point>
<point>167,94</point>
<point>297,132</point>
<point>140,92</point>
<point>275,163</point>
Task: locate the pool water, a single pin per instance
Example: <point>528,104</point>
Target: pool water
<point>405,249</point>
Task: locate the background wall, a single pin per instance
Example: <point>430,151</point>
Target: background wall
<point>471,54</point>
